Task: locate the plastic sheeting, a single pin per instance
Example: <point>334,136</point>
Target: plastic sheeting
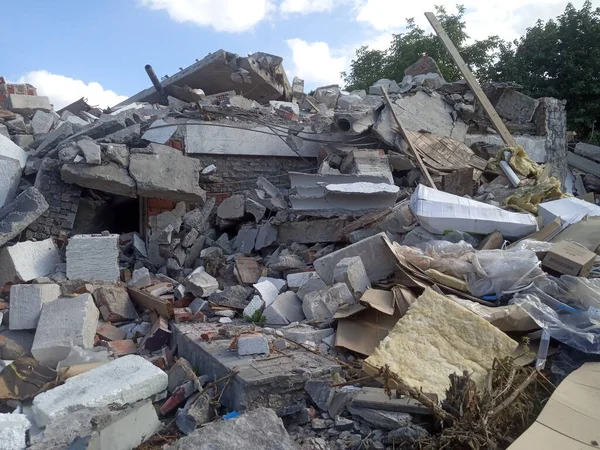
<point>568,308</point>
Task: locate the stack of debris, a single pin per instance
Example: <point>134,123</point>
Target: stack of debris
<point>221,244</point>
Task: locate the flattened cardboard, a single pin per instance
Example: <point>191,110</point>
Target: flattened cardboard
<point>570,258</point>
<point>571,418</point>
<point>586,232</point>
<point>362,328</point>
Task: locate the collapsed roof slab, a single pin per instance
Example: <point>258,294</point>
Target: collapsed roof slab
<point>220,72</point>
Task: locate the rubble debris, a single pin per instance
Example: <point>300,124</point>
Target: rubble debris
<point>114,303</point>
<point>79,318</point>
<point>351,271</point>
<point>17,215</point>
<point>13,430</point>
<point>320,306</point>
<point>285,309</point>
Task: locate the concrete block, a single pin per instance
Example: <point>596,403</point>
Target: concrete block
<point>52,139</point>
<point>107,178</point>
<point>302,333</point>
<point>197,411</point>
<point>117,153</point>
<point>201,284</point>
<point>64,323</point>
<point>245,240</point>
<point>93,257</point>
<point>27,104</point>
<point>320,306</point>
<point>312,285</point>
<point>279,284</point>
<point>23,140</point>
<point>320,393</point>
<point>10,150</point>
<point>122,381</point>
<point>10,175</point>
<point>17,215</point>
<point>588,151</point>
<point>267,235</point>
<point>377,258</point>
<point>128,135</point>
<point>253,344</point>
<point>140,278</point>
<point>4,131</point>
<point>42,122</point>
<point>13,431</point>
<point>310,231</point>
<point>91,151</point>
<point>352,272</point>
<point>296,280</point>
<point>286,308</point>
<point>232,207</point>
<point>26,261</point>
<point>169,176</point>
<point>256,209</point>
<point>256,304</point>
<point>26,301</point>
<point>198,305</point>
<point>267,291</point>
<point>160,135</point>
<point>515,106</point>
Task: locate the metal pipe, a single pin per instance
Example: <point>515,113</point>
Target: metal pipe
<point>156,83</point>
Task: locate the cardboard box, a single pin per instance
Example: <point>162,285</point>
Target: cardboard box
<point>571,418</point>
<point>570,258</point>
<point>569,209</point>
<point>362,326</point>
<point>439,211</point>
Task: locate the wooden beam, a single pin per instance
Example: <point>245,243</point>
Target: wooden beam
<point>471,81</point>
<point>581,163</point>
<point>408,141</point>
<point>161,307</point>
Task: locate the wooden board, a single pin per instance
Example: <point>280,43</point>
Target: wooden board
<point>161,307</point>
<point>376,398</point>
<point>472,82</point>
<point>445,154</point>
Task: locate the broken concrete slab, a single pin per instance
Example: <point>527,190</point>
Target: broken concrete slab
<point>417,113</point>
<point>107,178</point>
<point>258,381</point>
<point>232,207</point>
<point>352,272</point>
<point>267,235</point>
<point>267,291</point>
<point>535,146</point>
<point>168,176</point>
<point>122,381</point>
<point>91,151</point>
<point>52,139</point>
<point>10,176</point>
<point>376,256</point>
<point>114,303</point>
<point>200,283</point>
<point>232,297</point>
<point>296,280</point>
<point>285,309</point>
<point>26,301</point>
<point>26,261</point>
<point>257,429</point>
<point>302,333</point>
<point>313,284</point>
<point>256,304</point>
<point>93,257</point>
<point>245,240</point>
<point>588,151</point>
<point>17,215</point>
<point>140,278</point>
<point>42,122</point>
<point>64,323</point>
<point>256,209</point>
<point>515,106</point>
<point>26,104</point>
<point>311,231</point>
<point>320,306</point>
<point>197,411</point>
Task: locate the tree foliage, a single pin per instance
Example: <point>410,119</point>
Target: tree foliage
<point>370,65</point>
<point>558,58</point>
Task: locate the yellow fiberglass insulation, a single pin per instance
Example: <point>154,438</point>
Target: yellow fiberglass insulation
<point>437,337</point>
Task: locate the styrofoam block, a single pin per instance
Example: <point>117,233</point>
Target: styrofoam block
<point>122,381</point>
<point>13,429</point>
<point>63,324</point>
<point>93,257</point>
<point>26,261</point>
<point>26,301</point>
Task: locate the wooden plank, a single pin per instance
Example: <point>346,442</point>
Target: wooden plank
<point>161,307</point>
<point>581,163</point>
<point>408,140</point>
<point>471,81</point>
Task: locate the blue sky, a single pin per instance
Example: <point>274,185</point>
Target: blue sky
<point>98,48</point>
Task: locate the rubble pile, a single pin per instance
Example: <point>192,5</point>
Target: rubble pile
<point>226,261</point>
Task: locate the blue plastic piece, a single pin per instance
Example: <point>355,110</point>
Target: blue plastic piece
<point>231,415</point>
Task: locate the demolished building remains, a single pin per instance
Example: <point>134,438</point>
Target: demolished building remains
<point>225,254</point>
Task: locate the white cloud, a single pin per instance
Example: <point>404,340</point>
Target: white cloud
<point>307,6</point>
<point>506,18</point>
<point>315,63</point>
<point>223,15</point>
<point>64,90</point>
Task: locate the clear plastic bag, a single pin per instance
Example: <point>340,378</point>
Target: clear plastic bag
<point>501,271</point>
<point>568,308</point>
<point>533,245</point>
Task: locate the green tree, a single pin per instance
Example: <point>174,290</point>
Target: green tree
<point>559,58</point>
<point>406,48</point>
